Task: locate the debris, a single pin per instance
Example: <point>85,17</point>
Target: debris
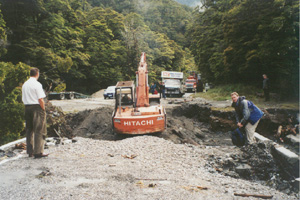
<point>110,155</point>
<point>254,195</point>
<point>219,169</point>
<point>151,179</point>
<point>194,188</point>
<point>279,131</point>
<point>140,184</point>
<point>74,140</point>
<point>129,157</point>
<point>202,188</point>
<point>44,173</point>
<point>152,185</point>
<point>20,146</point>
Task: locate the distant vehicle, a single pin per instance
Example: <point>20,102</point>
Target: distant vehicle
<point>174,87</point>
<point>66,95</point>
<point>173,83</point>
<point>208,86</point>
<point>193,83</point>
<point>109,92</point>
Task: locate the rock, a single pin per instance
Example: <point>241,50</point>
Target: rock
<point>244,170</point>
<point>74,140</point>
<point>50,143</point>
<point>66,141</point>
<point>296,184</point>
<point>294,140</point>
<point>2,153</point>
<point>10,154</point>
<point>200,135</point>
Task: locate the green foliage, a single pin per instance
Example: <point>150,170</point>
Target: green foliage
<point>2,36</point>
<point>11,106</point>
<point>164,16</point>
<point>85,46</point>
<point>238,41</point>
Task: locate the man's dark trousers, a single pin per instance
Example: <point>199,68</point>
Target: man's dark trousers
<point>36,129</point>
<point>267,94</point>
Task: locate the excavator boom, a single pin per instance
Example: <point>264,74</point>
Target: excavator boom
<point>142,90</point>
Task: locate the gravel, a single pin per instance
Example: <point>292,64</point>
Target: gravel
<point>144,167</point>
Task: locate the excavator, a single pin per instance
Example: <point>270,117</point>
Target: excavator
<point>136,111</point>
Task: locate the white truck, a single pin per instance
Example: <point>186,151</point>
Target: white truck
<point>173,83</point>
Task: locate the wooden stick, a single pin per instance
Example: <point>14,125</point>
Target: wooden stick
<point>279,131</point>
<point>254,195</point>
<point>151,179</point>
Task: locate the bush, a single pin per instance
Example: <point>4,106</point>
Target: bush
<point>11,106</point>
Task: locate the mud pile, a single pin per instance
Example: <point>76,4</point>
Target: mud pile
<point>96,124</point>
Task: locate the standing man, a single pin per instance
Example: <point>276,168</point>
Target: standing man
<point>35,115</point>
<point>163,90</point>
<point>152,88</point>
<point>266,87</point>
<point>247,115</point>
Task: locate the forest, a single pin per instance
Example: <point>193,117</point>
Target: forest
<point>87,45</point>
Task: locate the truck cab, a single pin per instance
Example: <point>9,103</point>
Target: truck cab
<point>190,85</point>
<point>174,87</point>
<point>173,83</point>
<point>193,83</point>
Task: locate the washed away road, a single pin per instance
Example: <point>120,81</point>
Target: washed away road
<point>144,167</point>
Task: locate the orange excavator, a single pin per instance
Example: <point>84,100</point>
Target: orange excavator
<point>136,111</point>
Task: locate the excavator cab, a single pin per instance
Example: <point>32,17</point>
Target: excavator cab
<point>125,94</point>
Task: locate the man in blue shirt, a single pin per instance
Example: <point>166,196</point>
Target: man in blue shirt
<point>247,115</point>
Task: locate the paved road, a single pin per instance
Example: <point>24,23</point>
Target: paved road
<point>76,105</point>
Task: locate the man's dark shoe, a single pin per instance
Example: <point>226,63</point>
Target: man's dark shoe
<point>30,155</point>
<point>40,155</point>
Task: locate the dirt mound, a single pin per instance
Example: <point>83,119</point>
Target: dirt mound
<point>95,124</point>
<point>98,94</point>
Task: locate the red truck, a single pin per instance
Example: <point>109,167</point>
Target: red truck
<point>193,83</point>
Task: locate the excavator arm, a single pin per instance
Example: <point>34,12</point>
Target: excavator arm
<point>142,89</point>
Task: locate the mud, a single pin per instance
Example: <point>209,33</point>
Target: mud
<point>196,124</point>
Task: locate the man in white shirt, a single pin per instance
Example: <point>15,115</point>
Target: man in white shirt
<point>35,115</point>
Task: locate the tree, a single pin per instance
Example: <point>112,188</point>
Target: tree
<point>11,106</point>
<point>238,41</point>
<point>2,36</point>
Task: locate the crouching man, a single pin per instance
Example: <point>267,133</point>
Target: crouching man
<point>247,115</point>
